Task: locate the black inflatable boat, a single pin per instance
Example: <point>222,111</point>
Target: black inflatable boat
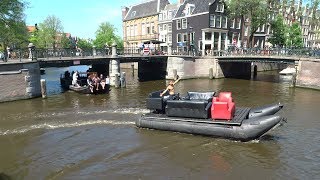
<point>202,113</point>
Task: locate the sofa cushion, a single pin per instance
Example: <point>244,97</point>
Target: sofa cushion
<point>200,95</point>
<point>187,108</point>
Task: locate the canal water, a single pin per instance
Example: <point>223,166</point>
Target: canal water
<point>75,136</point>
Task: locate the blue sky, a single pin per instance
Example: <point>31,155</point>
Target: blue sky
<point>79,17</point>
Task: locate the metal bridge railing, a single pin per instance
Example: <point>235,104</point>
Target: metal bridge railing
<point>20,54</point>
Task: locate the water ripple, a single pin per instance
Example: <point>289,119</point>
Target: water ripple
<point>51,126</point>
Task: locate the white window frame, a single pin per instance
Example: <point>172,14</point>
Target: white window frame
<point>216,17</point>
<point>213,20</point>
<point>128,31</point>
<point>143,29</point>
<point>184,23</point>
<point>169,27</point>
<point>135,30</point>
<point>179,22</point>
<point>226,22</point>
<point>218,9</point>
<point>169,38</point>
<point>169,15</point>
<point>233,22</point>
<point>160,17</point>
<point>179,34</point>
<point>239,24</point>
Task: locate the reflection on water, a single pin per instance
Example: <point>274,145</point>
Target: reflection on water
<point>76,136</point>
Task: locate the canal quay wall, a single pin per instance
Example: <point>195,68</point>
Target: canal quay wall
<point>205,67</point>
<point>308,74</point>
<point>19,81</point>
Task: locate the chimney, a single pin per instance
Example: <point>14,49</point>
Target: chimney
<point>124,12</point>
<point>158,6</point>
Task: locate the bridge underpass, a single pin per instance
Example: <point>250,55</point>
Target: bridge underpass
<point>247,67</point>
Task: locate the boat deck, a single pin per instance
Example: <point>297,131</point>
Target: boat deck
<point>240,114</point>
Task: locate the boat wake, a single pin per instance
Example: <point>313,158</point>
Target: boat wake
<point>57,125</point>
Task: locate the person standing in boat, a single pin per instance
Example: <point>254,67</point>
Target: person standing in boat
<point>75,79</point>
<point>90,84</point>
<point>170,88</point>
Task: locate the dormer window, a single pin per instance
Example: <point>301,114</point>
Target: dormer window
<point>188,9</point>
<point>133,13</point>
<point>220,7</point>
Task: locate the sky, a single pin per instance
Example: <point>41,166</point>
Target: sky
<point>81,18</point>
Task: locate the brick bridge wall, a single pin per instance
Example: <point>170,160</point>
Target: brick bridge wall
<point>308,74</point>
<point>19,81</point>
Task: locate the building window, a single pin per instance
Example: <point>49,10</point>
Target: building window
<point>233,22</point>
<point>169,27</point>
<point>169,15</point>
<point>131,30</point>
<point>164,15</point>
<point>164,27</point>
<point>224,22</point>
<point>218,21</point>
<point>143,29</point>
<point>207,36</point>
<point>160,17</point>
<point>223,41</point>
<point>169,38</point>
<point>262,28</point>
<point>128,31</point>
<point>148,28</point>
<point>239,24</point>
<point>160,27</point>
<point>133,13</point>
<point>178,37</point>
<point>212,21</point>
<point>220,7</point>
<point>184,23</point>
<point>152,29</point>
<point>185,37</point>
<point>178,24</point>
<point>135,30</point>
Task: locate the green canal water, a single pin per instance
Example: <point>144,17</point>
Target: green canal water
<point>75,136</point>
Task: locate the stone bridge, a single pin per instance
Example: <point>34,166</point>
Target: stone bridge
<point>162,67</point>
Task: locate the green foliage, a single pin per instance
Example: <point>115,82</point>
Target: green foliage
<point>65,41</point>
<point>13,31</point>
<point>256,11</point>
<point>84,44</point>
<point>295,36</point>
<point>48,31</point>
<point>106,35</point>
<point>279,29</point>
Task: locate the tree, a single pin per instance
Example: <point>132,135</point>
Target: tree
<point>84,44</point>
<point>65,41</point>
<point>279,29</point>
<point>256,11</point>
<point>295,36</point>
<point>106,35</point>
<point>13,31</point>
<point>48,32</point>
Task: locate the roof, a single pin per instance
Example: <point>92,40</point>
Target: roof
<point>200,7</point>
<point>31,28</point>
<point>145,9</point>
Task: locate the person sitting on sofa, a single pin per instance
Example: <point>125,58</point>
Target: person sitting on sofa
<point>170,88</point>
